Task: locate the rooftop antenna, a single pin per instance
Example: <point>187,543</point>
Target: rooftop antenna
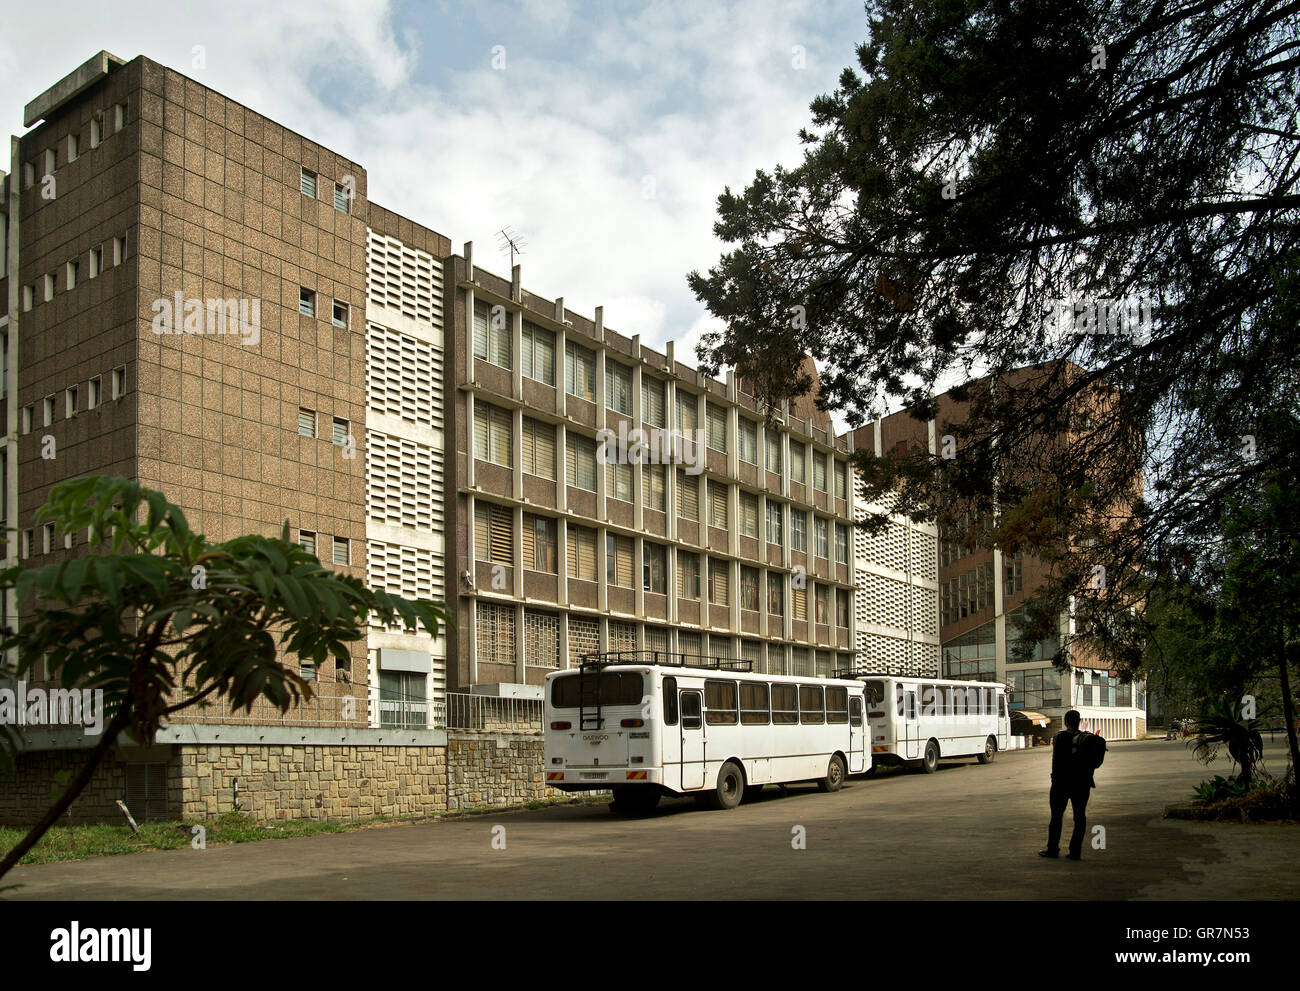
<point>509,240</point>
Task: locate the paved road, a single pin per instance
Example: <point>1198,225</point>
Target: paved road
<point>968,831</point>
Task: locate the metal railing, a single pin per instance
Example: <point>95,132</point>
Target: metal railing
<point>334,702</point>
<point>668,658</point>
<point>337,703</point>
<point>489,713</point>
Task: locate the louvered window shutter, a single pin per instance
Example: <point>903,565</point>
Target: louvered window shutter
<point>718,583</point>
<point>623,562</point>
<point>482,531</point>
<point>717,505</point>
<point>545,449</point>
<point>749,514</point>
<point>688,496</point>
<point>653,485</point>
<point>546,358</point>
<point>502,532</point>
<point>652,401</point>
<point>481,424</point>
<point>481,330</point>
<point>501,442</point>
<point>530,542</point>
<point>717,427</point>
<point>688,412</point>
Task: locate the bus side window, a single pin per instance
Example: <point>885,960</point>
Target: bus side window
<point>1002,706</point>
<point>720,703</point>
<point>670,701</point>
<point>855,711</point>
<point>753,703</point>
<point>811,702</point>
<point>691,710</point>
<point>837,705</point>
<point>785,705</point>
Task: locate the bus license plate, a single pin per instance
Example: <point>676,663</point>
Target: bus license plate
<point>593,776</point>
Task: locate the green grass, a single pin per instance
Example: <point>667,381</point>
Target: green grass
<point>79,842</point>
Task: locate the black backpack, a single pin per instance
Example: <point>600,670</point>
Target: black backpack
<point>1089,749</point>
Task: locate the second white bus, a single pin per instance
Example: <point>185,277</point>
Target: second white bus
<point>645,730</point>
<point>918,721</point>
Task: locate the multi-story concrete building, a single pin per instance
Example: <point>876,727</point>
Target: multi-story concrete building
<point>896,575</point>
<point>208,302</point>
<point>982,594</point>
<point>728,536</point>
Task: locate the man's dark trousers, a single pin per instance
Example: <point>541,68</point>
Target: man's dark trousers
<point>1076,796</point>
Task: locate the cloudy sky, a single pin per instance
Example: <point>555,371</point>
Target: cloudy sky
<point>600,131</point>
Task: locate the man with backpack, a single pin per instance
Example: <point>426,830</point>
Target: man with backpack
<point>1075,755</point>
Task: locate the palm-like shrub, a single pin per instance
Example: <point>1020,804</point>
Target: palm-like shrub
<point>1221,726</point>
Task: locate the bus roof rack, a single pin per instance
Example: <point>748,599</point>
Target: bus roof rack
<point>663,658</point>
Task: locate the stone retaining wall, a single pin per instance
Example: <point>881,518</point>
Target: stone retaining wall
<point>278,782</point>
<point>312,782</point>
<point>41,776</point>
<point>495,769</point>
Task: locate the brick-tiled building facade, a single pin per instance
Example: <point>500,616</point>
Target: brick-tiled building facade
<point>982,594</point>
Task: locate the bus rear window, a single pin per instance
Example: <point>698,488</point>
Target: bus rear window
<point>875,692</point>
<point>605,688</point>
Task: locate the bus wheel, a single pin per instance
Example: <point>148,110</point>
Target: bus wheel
<point>930,763</point>
<point>834,779</point>
<point>730,788</point>
<point>990,751</point>
<point>752,792</point>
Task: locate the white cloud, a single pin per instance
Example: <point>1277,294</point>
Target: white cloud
<point>594,99</point>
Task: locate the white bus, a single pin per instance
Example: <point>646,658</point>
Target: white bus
<point>918,721</point>
<point>712,730</point>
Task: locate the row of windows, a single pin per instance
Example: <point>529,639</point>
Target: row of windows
<point>309,182</point>
<point>72,147</point>
<point>749,703</point>
<point>340,552</point>
<point>340,549</point>
<point>340,429</point>
<point>493,338</point>
<point>1102,689</point>
<point>114,249</point>
<point>307,307</point>
<point>1034,689</point>
<point>494,442</point>
<point>942,700</point>
<point>75,400</point>
<point>966,594</point>
<point>494,543</point>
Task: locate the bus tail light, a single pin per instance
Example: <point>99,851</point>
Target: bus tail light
<point>875,715</point>
<point>557,760</point>
<point>632,722</point>
<point>561,724</point>
<point>637,760</point>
